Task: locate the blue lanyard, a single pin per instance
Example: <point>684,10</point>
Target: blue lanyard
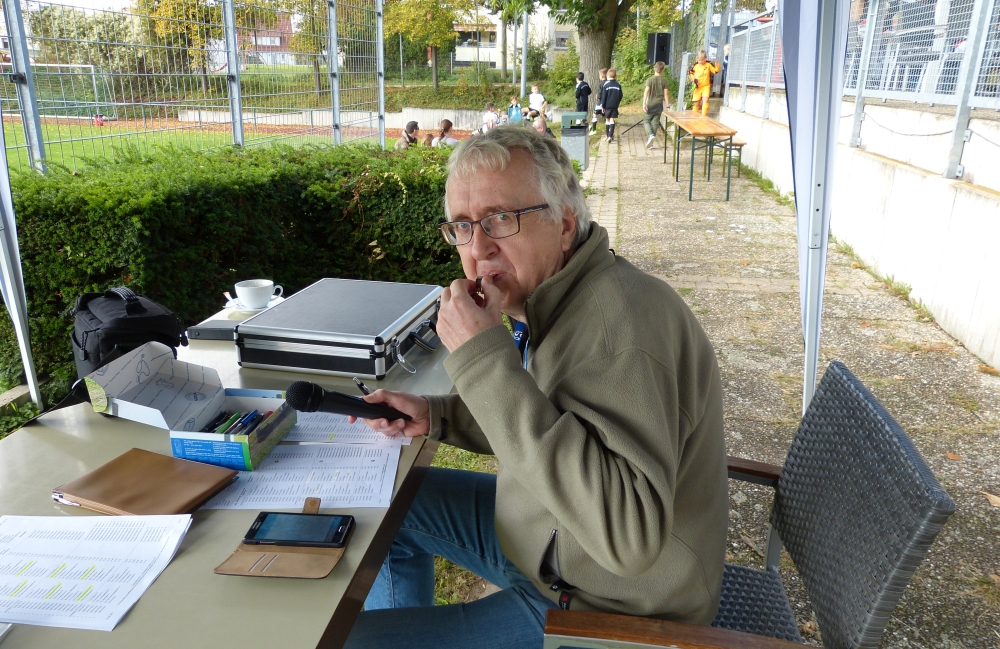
<point>521,339</point>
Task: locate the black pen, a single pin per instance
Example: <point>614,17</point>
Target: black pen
<point>361,386</point>
<point>215,423</point>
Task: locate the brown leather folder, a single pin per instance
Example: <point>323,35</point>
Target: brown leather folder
<point>142,483</point>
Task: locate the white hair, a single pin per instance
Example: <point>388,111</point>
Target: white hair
<point>554,172</point>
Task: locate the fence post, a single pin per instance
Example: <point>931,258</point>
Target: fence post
<point>775,35</point>
<point>25,83</point>
<point>866,55</point>
<point>682,81</point>
<point>380,63</point>
<point>333,66</point>
<point>709,15</point>
<point>967,77</point>
<point>233,67</point>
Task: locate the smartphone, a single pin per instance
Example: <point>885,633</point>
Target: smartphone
<point>304,530</point>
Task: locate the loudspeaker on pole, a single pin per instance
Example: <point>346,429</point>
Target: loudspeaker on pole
<point>658,48</point>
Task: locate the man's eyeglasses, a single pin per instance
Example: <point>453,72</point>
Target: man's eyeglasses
<point>496,226</point>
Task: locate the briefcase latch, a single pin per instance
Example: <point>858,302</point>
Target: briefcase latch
<point>397,355</point>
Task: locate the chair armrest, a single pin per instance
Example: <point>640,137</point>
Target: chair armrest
<point>658,633</point>
<point>751,471</point>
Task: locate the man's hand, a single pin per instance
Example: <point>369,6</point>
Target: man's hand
<point>464,313</point>
<point>410,404</point>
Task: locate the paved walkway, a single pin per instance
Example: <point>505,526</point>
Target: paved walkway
<point>736,265</point>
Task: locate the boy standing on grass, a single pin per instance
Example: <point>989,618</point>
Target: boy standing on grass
<point>611,99</point>
<point>602,76</point>
<point>701,76</point>
<point>655,99</point>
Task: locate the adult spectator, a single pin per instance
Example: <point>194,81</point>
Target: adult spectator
<point>514,111</point>
<point>604,413</point>
<point>655,99</point>
<point>536,103</point>
<point>490,118</point>
<point>541,127</point>
<point>602,76</point>
<point>444,138</point>
<point>428,139</point>
<point>583,92</point>
<point>611,99</point>
<point>410,137</point>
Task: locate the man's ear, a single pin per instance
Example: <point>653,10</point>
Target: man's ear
<point>569,226</point>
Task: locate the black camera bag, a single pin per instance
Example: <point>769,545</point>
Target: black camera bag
<point>117,321</point>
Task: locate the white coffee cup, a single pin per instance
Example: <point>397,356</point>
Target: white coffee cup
<point>256,293</point>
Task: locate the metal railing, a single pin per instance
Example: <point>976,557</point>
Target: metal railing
<point>79,82</point>
<point>916,51</point>
<point>920,51</point>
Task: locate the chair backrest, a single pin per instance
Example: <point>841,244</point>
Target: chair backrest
<point>856,508</point>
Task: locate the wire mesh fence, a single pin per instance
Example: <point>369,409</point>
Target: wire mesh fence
<point>915,50</point>
<point>92,81</point>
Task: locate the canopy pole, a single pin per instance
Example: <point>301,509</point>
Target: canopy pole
<point>12,279</point>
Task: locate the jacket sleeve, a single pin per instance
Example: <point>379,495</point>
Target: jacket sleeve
<point>452,423</point>
<point>600,455</point>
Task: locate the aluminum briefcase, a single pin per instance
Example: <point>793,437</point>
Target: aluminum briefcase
<point>342,326</point>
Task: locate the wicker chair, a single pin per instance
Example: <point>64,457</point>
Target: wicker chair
<point>857,509</point>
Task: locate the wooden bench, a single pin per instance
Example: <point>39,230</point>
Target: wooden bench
<point>737,146</point>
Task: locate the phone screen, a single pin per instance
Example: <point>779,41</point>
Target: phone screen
<point>303,528</point>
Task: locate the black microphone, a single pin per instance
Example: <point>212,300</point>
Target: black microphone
<point>305,396</point>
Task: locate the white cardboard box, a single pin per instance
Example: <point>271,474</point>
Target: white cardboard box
<point>150,386</point>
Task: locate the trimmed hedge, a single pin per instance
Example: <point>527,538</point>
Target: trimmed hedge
<point>182,227</point>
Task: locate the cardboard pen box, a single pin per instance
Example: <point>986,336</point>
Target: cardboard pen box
<point>150,386</point>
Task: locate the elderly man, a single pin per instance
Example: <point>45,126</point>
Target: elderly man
<point>604,411</point>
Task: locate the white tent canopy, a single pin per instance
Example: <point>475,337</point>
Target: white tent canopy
<point>814,42</point>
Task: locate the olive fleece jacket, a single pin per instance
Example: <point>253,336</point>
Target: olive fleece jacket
<point>610,445</point>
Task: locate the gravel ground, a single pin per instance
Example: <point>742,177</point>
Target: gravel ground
<point>736,264</point>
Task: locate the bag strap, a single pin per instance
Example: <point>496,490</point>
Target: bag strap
<point>132,304</point>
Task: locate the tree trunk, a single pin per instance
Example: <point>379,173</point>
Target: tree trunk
<point>503,49</point>
<point>595,53</point>
<point>204,78</point>
<point>434,66</point>
<point>316,77</point>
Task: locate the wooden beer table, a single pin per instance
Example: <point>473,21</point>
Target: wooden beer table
<point>704,133</point>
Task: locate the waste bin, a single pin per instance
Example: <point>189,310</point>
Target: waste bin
<point>568,119</point>
<point>576,143</point>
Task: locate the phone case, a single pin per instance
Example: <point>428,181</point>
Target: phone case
<point>283,560</point>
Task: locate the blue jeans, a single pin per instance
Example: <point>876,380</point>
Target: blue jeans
<point>451,517</point>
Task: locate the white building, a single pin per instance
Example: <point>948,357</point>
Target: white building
<point>478,38</point>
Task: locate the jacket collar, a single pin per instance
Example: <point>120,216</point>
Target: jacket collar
<point>544,305</point>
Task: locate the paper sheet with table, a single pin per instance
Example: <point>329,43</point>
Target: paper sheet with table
<point>342,475</point>
<point>82,572</point>
<point>325,427</point>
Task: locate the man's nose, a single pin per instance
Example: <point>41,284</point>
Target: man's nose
<point>482,246</point>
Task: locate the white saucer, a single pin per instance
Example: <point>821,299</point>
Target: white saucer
<point>236,305</point>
